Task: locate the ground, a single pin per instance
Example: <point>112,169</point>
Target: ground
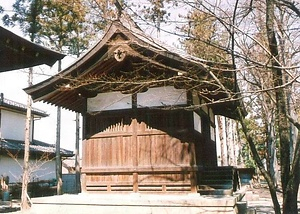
<point>261,201</point>
<point>264,203</point>
<point>258,201</point>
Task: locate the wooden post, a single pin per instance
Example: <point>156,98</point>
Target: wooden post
<point>77,157</point>
<point>57,147</point>
<point>135,182</point>
<point>135,144</point>
<point>193,173</point>
<point>83,182</point>
<point>193,178</point>
<point>58,157</point>
<point>135,151</point>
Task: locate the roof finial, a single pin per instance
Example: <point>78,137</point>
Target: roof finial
<point>119,7</point>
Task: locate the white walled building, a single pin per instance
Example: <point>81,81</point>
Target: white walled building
<point>12,132</point>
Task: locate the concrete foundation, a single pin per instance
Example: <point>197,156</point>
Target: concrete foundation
<point>134,203</point>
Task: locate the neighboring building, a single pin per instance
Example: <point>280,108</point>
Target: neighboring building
<point>154,136</point>
<point>12,132</point>
<point>17,52</point>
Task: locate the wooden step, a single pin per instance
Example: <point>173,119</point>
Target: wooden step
<point>216,180</point>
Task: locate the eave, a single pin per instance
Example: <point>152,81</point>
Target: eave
<point>60,90</point>
<point>17,52</point>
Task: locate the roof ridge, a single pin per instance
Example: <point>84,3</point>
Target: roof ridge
<point>35,145</point>
<point>19,105</point>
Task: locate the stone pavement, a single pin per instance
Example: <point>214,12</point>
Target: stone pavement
<point>259,205</point>
<point>9,206</point>
<point>133,203</point>
<point>145,203</point>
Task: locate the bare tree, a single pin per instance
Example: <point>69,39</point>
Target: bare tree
<point>268,78</point>
<point>248,34</point>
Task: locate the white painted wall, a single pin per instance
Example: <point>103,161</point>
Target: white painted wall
<point>197,122</point>
<point>109,101</point>
<point>13,168</point>
<point>162,96</point>
<point>12,125</point>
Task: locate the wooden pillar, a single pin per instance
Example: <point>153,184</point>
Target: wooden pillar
<point>193,173</point>
<point>135,151</point>
<point>135,182</point>
<point>57,146</point>
<point>77,157</point>
<point>193,178</point>
<point>58,156</point>
<point>83,182</point>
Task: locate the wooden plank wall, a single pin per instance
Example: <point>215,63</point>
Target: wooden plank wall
<point>135,157</point>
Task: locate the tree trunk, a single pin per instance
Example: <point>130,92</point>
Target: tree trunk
<point>290,198</point>
<point>290,202</point>
<point>25,177</point>
<point>271,146</point>
<point>288,176</point>
<point>222,135</point>
<point>272,187</point>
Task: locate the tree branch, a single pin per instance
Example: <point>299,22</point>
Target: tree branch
<point>290,5</point>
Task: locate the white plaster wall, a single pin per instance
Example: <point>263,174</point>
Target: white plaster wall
<point>109,101</point>
<point>13,168</point>
<point>197,122</point>
<point>162,96</point>
<point>12,125</point>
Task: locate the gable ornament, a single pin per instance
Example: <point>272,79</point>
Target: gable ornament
<point>119,54</point>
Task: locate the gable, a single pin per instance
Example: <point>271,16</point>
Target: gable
<point>128,61</point>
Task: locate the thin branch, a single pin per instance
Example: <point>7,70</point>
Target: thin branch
<point>290,5</point>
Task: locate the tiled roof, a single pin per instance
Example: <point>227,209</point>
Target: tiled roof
<point>138,52</point>
<point>128,23</point>
<point>35,147</point>
<point>13,105</point>
<point>17,52</point>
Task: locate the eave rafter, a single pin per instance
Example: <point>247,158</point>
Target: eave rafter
<point>159,68</point>
<point>127,60</point>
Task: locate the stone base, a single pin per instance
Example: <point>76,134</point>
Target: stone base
<point>134,203</point>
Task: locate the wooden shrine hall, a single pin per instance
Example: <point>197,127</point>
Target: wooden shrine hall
<point>148,111</point>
